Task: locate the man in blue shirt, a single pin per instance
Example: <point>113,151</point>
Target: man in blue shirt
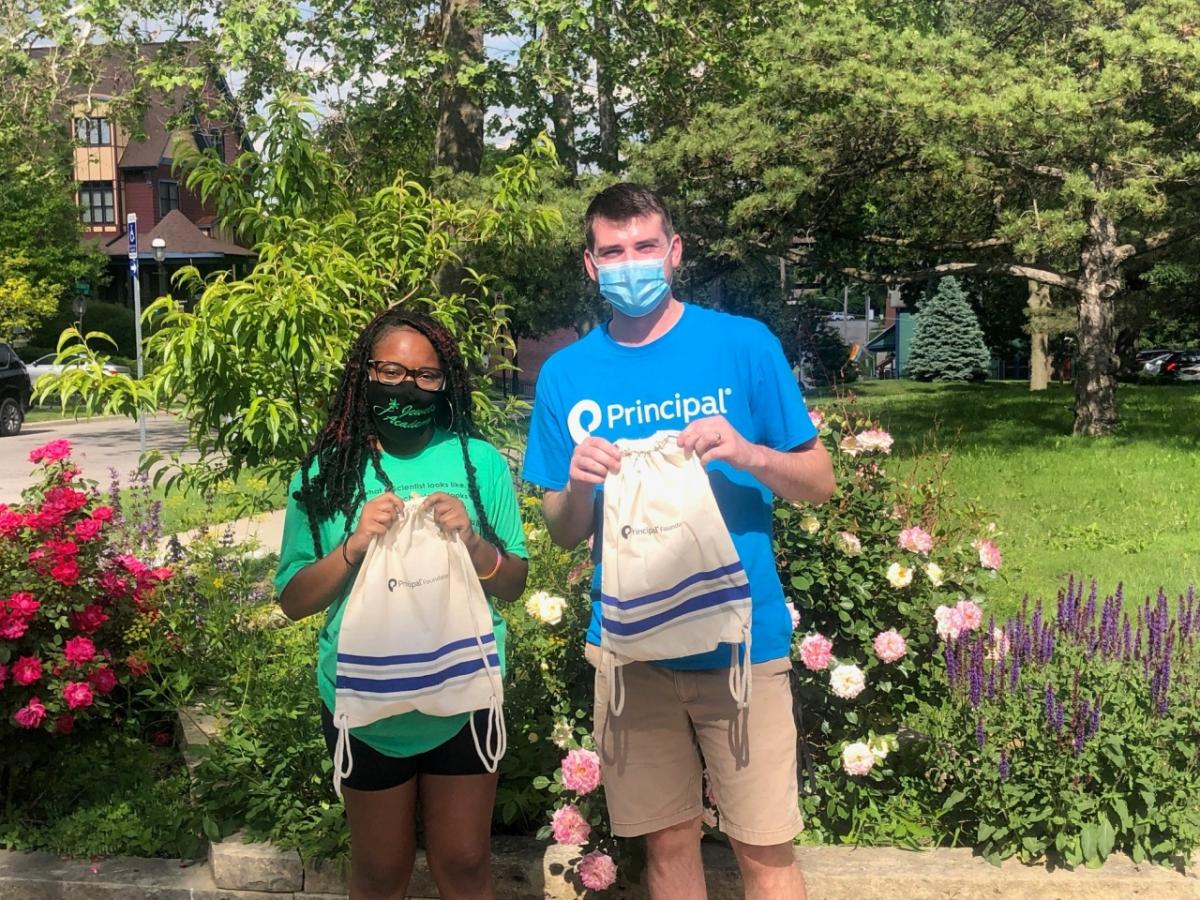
<point>723,383</point>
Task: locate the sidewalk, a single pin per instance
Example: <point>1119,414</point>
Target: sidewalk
<point>266,528</point>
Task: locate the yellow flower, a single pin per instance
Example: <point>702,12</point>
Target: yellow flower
<point>899,576</point>
<point>810,524</point>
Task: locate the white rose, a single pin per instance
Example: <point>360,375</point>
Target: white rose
<point>847,681</point>
<point>899,576</point>
<point>545,607</point>
<point>857,759</point>
<point>935,574</point>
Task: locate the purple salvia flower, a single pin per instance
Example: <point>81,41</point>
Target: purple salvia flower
<point>1048,704</point>
<point>980,733</point>
<point>1094,725</point>
<point>1004,765</point>
<point>951,664</point>
<point>1014,674</point>
<point>1058,715</point>
<point>975,673</point>
<point>1127,639</point>
<point>991,682</point>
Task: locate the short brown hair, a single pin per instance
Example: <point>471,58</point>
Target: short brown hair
<point>623,202</point>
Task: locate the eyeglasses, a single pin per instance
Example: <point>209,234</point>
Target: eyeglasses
<point>393,373</point>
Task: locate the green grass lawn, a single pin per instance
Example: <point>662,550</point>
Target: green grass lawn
<point>1120,509</point>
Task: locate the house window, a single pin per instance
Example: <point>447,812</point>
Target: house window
<point>168,197</point>
<point>93,131</point>
<point>96,203</point>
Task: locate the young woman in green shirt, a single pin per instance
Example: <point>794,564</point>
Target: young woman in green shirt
<point>400,424</point>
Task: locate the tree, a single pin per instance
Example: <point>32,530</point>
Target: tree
<point>255,361</point>
<point>1067,160</point>
<point>947,342</point>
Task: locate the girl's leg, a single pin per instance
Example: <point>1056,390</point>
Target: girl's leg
<point>456,811</point>
<point>383,840</point>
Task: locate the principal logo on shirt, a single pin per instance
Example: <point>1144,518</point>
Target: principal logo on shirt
<point>677,410</point>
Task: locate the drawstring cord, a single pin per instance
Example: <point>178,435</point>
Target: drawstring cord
<point>343,756</point>
<point>740,676</point>
<point>495,743</point>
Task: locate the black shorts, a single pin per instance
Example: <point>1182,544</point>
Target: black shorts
<point>375,771</point>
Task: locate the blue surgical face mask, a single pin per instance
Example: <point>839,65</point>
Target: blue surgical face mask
<point>634,288</point>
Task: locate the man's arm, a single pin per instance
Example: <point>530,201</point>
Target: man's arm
<point>569,512</point>
<point>803,474</point>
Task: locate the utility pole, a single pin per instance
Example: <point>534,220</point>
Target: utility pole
<point>131,225</point>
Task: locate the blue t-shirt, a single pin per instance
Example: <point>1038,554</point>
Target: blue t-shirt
<point>709,363</point>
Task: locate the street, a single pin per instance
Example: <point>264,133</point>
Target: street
<point>96,446</point>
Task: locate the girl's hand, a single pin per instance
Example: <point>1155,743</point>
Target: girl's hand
<point>378,515</point>
<point>451,517</point>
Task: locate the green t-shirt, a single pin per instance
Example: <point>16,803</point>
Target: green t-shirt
<point>439,467</point>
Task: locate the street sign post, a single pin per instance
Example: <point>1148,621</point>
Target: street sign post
<point>131,225</point>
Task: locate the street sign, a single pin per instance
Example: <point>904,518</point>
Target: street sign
<point>131,222</point>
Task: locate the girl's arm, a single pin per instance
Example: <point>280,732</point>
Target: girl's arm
<point>318,584</point>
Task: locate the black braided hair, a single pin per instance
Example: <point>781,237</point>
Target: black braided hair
<point>348,442</point>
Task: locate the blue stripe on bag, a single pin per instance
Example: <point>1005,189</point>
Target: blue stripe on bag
<point>416,682</point>
<point>694,604</point>
<point>731,569</point>
<point>412,657</point>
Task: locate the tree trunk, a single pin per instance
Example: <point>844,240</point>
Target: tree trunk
<point>606,108</point>
<point>459,142</point>
<point>1096,361</point>
<point>562,108</point>
<point>1039,340</point>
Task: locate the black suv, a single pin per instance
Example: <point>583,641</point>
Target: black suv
<point>15,391</point>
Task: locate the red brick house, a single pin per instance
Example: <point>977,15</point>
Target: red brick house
<point>117,173</point>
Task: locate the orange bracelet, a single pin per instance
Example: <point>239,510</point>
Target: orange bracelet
<point>496,568</point>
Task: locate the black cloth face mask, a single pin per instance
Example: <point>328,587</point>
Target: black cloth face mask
<point>402,414</point>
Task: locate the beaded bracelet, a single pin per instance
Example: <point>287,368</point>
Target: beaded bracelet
<point>496,568</point>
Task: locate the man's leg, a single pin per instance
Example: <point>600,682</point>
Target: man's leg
<point>674,868</point>
<point>769,873</point>
<point>751,760</point>
<point>651,773</point>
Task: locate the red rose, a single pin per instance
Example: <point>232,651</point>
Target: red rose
<point>64,724</point>
<point>80,650</point>
<point>61,550</point>
<point>52,452</point>
<point>89,619</point>
<point>114,585</point>
<point>31,714</point>
<point>10,521</point>
<point>12,628</point>
<point>22,605</point>
<point>66,572</point>
<point>26,670</point>
<point>102,513</point>
<point>103,680</point>
<point>78,694</point>
<point>3,675</point>
<point>88,529</point>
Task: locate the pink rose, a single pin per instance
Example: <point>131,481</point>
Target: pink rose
<point>972,615</point>
<point>950,622</point>
<point>26,670</point>
<point>581,771</point>
<point>77,694</point>
<point>597,871</point>
<point>989,554</point>
<point>569,826</point>
<point>51,452</point>
<point>890,645</point>
<point>916,540</point>
<point>795,614</point>
<point>817,417</point>
<point>816,651</point>
<point>80,650</point>
<point>103,680</point>
<point>102,513</point>
<point>31,714</point>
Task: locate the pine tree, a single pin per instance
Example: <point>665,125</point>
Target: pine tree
<point>947,342</point>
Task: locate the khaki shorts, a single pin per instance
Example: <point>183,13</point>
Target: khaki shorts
<point>677,723</point>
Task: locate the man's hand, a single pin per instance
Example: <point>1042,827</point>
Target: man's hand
<point>713,439</point>
<point>591,462</point>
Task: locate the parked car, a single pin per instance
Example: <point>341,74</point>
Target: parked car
<point>15,391</point>
<point>1153,365</point>
<point>44,365</point>
<point>1170,366</point>
<point>1190,373</point>
<point>1144,356</point>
